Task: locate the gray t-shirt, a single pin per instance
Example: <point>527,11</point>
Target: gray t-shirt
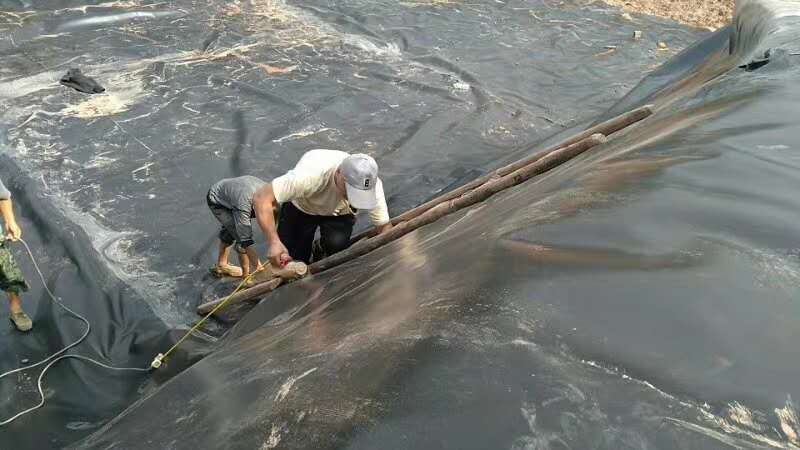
<point>236,194</point>
<point>4,193</point>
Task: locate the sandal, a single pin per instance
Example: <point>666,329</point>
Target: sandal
<point>227,270</point>
<point>21,321</point>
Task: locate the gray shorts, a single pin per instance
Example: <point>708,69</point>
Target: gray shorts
<point>227,232</point>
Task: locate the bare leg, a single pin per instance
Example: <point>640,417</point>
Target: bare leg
<point>14,302</point>
<point>223,268</point>
<point>224,253</point>
<point>18,316</point>
<point>252,256</point>
<point>244,261</point>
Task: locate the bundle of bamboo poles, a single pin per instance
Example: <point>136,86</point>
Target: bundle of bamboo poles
<point>606,128</point>
<point>460,198</point>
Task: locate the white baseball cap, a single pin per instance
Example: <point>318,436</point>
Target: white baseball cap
<point>360,173</point>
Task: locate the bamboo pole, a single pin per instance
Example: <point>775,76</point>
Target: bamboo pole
<point>268,279</point>
<point>605,128</point>
<point>290,272</point>
<point>241,296</point>
<point>470,198</point>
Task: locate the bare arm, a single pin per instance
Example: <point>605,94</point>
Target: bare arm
<point>380,215</point>
<point>13,231</point>
<point>265,205</point>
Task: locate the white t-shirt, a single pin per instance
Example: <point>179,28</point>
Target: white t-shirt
<point>310,187</point>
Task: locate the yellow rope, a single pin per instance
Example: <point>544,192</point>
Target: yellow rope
<point>161,356</point>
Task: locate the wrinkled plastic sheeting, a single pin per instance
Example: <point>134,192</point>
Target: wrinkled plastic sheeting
<point>438,92</point>
<point>641,296</point>
<point>79,397</point>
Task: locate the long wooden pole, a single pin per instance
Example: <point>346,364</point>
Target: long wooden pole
<point>241,296</point>
<point>266,279</point>
<point>470,198</point>
<point>606,128</point>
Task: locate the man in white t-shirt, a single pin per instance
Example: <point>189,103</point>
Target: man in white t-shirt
<point>323,191</point>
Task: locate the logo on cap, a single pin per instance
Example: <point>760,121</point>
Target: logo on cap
<point>366,183</point>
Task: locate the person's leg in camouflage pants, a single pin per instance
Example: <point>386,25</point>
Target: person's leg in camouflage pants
<point>13,283</point>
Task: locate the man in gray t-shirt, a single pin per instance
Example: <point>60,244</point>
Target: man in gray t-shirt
<point>11,279</point>
<point>231,202</point>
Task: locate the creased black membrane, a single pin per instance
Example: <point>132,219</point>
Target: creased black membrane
<point>642,296</point>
